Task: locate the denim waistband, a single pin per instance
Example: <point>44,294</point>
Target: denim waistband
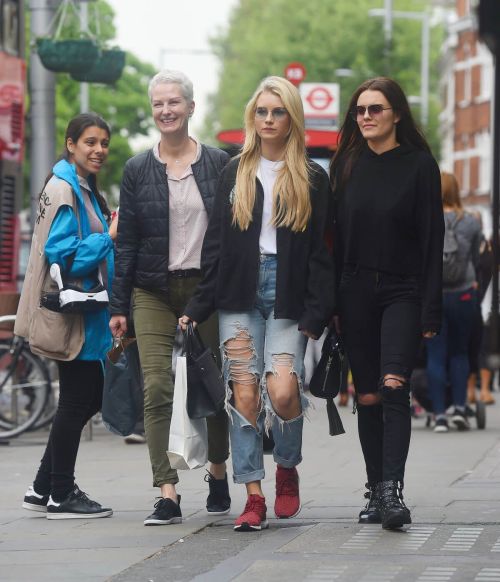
<point>267,259</point>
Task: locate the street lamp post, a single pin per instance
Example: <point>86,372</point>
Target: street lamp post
<point>424,61</point>
<point>42,106</point>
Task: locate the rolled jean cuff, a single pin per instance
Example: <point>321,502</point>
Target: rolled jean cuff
<point>257,475</point>
<point>287,463</point>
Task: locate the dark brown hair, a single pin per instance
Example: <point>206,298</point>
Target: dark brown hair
<point>75,128</point>
<point>351,141</point>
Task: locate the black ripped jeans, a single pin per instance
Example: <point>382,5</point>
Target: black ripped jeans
<point>80,397</point>
<point>380,319</point>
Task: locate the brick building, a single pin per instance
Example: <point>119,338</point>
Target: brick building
<point>466,117</point>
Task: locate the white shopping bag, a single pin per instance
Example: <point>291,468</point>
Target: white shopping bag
<point>188,439</point>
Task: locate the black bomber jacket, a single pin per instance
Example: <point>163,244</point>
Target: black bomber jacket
<point>143,238</point>
<point>230,260</point>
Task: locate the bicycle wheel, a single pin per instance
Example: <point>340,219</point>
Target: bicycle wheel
<point>24,389</point>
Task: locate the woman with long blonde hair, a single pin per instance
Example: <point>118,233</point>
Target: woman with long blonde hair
<point>267,271</point>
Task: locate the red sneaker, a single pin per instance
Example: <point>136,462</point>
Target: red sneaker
<point>253,517</point>
<point>287,502</point>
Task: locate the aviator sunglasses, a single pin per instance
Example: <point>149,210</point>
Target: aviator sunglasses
<point>373,110</point>
<point>276,113</point>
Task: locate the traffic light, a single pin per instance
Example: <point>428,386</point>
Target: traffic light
<point>489,24</point>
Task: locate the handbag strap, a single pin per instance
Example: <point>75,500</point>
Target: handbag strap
<point>192,343</point>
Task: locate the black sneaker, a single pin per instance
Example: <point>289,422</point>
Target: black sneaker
<point>77,505</point>
<point>35,502</point>
<point>218,500</point>
<point>166,512</point>
<point>460,420</point>
<point>441,425</point>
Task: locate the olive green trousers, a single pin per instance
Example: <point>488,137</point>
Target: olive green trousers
<point>155,320</point>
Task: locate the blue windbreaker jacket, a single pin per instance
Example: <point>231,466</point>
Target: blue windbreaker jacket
<point>88,251</point>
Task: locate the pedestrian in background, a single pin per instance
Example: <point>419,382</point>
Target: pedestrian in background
<point>166,197</point>
<point>479,341</point>
<point>388,251</point>
<point>448,353</point>
<point>71,229</point>
<point>268,272</point>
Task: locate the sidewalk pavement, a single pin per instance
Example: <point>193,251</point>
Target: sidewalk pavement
<point>452,488</point>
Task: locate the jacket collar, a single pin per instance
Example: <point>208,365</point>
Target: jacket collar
<point>67,172</point>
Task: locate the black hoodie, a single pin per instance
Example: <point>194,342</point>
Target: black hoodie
<point>389,218</point>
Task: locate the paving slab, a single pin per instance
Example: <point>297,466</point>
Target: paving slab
<point>452,488</point>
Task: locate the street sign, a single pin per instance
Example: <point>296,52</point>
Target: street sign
<point>295,72</point>
<point>321,104</point>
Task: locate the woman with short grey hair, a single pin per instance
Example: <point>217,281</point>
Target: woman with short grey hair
<point>166,198</point>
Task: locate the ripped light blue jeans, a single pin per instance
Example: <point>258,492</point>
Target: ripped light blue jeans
<point>273,342</point>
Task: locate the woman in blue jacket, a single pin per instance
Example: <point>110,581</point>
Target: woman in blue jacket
<point>71,230</point>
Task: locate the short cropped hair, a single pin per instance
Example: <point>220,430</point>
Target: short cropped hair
<point>171,76</point>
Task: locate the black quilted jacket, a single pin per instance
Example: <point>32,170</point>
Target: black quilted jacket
<point>142,244</point>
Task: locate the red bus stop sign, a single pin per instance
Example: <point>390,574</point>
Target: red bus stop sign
<point>295,73</point>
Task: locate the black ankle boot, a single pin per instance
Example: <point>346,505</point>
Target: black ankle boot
<point>393,511</point>
<point>371,513</point>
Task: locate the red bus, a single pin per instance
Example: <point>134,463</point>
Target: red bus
<point>321,143</point>
<point>12,137</point>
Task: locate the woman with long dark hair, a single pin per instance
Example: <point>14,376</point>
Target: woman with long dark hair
<point>268,273</point>
<point>388,252</point>
<point>71,229</point>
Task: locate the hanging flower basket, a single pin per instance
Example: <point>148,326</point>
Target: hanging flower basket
<point>107,68</point>
<point>67,56</point>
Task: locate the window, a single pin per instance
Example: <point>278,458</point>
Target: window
<point>10,37</point>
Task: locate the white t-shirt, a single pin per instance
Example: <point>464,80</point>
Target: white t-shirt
<point>267,174</point>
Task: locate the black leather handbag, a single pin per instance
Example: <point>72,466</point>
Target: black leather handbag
<point>331,372</point>
<point>205,387</point>
<point>328,377</point>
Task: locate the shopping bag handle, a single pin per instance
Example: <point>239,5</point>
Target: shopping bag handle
<point>120,345</point>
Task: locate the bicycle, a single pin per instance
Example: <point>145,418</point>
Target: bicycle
<point>25,387</point>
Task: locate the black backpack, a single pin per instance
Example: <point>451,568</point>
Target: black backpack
<point>454,265</point>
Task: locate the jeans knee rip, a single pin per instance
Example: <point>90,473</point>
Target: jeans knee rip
<point>402,382</point>
<point>282,360</point>
<point>239,364</point>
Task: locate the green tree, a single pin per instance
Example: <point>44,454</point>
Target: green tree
<point>124,105</point>
<point>264,35</point>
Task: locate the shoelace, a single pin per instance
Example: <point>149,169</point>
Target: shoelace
<point>84,497</point>
<point>253,505</point>
<point>287,487</point>
<point>160,501</point>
